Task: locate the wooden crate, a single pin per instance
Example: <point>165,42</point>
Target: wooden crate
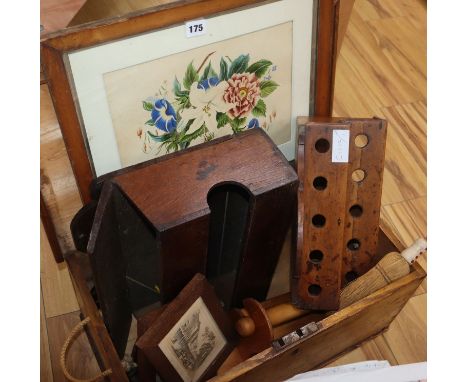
<point>338,333</point>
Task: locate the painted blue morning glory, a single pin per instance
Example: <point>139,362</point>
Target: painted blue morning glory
<point>208,83</point>
<point>164,116</point>
<point>253,123</point>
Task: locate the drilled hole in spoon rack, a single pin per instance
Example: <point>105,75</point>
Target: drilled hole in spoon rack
<point>320,183</point>
<point>314,289</point>
<point>361,140</point>
<point>353,244</point>
<point>358,175</point>
<point>355,211</point>
<point>322,145</point>
<point>351,276</point>
<point>316,256</point>
<point>318,220</point>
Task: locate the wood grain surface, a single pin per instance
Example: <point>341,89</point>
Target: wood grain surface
<point>57,291</point>
<point>58,185</point>
<point>93,10</point>
<point>338,214</point>
<point>149,342</point>
<point>407,336</point>
<point>204,166</point>
<point>409,221</point>
<point>49,228</point>
<point>149,248</point>
<point>56,14</point>
<point>355,96</point>
<point>46,366</point>
<point>97,333</point>
<point>268,179</point>
<point>359,321</point>
<point>55,46</point>
<point>392,34</point>
<point>81,362</point>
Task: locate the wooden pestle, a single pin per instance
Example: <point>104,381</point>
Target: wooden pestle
<point>391,267</point>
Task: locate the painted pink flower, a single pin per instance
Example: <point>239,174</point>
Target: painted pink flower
<point>243,91</point>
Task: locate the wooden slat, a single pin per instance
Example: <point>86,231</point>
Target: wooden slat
<point>81,362</point>
<point>57,289</point>
<point>374,349</point>
<point>50,231</point>
<point>405,159</point>
<point>404,52</point>
<point>94,10</point>
<point>330,201</point>
<point>61,92</point>
<point>409,222</point>
<point>408,219</point>
<point>98,335</point>
<point>280,282</point>
<point>407,335</point>
<point>327,238</point>
<point>46,367</point>
<point>377,76</point>
<point>325,65</point>
<point>346,7</point>
<point>394,30</point>
<point>385,9</point>
<point>58,185</point>
<point>56,14</point>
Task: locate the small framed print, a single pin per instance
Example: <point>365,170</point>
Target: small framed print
<point>192,337</point>
<point>138,87</point>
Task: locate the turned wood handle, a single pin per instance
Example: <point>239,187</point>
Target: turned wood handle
<point>277,315</point>
<point>63,355</point>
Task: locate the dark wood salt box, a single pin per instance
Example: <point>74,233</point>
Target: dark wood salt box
<point>221,208</point>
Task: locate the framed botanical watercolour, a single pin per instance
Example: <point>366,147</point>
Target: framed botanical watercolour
<point>135,88</point>
<point>192,337</point>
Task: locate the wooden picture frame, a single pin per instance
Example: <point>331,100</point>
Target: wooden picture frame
<point>57,47</point>
<point>197,313</point>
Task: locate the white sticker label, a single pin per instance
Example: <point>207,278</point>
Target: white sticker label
<point>340,148</point>
<point>195,28</point>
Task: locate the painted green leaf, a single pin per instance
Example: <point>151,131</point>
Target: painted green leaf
<point>178,90</point>
<point>184,101</point>
<point>267,87</point>
<point>194,135</point>
<point>182,96</point>
<point>147,105</point>
<point>187,126</point>
<point>212,73</point>
<point>260,109</point>
<point>238,124</point>
<point>206,73</point>
<point>176,86</point>
<point>239,65</point>
<point>159,138</point>
<point>222,119</point>
<point>149,122</point>
<point>191,76</point>
<point>209,72</point>
<point>259,68</point>
<point>172,147</point>
<point>223,75</point>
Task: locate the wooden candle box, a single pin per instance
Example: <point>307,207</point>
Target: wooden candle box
<point>337,334</point>
<point>221,208</point>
